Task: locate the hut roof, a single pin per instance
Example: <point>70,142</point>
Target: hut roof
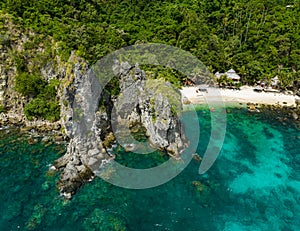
<point>232,74</point>
<point>275,80</point>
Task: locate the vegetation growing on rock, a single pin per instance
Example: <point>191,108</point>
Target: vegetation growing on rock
<point>42,109</point>
<point>259,39</point>
<point>43,104</point>
<point>2,108</point>
<point>28,84</point>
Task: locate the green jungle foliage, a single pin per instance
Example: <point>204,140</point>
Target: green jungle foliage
<point>2,108</point>
<point>42,109</point>
<point>166,73</point>
<point>29,84</point>
<point>43,104</point>
<point>259,39</point>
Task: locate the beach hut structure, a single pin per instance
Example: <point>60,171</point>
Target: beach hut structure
<point>231,74</point>
<point>275,81</point>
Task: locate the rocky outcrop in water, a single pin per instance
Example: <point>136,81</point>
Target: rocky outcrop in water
<point>150,104</point>
<point>147,101</point>
<point>141,102</point>
<point>85,149</point>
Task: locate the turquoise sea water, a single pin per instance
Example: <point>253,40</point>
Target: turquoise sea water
<point>253,185</point>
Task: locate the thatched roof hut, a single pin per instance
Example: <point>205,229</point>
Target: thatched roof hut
<point>275,81</point>
<point>231,74</point>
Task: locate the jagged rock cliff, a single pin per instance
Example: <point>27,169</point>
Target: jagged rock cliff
<point>85,149</point>
<point>23,51</point>
<point>11,39</point>
<point>141,102</point>
<point>147,101</point>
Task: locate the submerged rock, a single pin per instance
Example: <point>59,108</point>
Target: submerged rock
<point>203,193</point>
<point>36,217</point>
<point>196,157</point>
<point>103,220</point>
<point>295,115</point>
<point>32,140</point>
<point>130,148</point>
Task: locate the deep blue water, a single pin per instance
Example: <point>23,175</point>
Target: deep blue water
<point>253,185</point>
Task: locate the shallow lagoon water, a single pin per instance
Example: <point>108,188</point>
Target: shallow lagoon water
<point>253,185</point>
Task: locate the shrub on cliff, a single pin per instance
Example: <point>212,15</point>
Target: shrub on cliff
<point>2,108</point>
<point>44,104</point>
<point>49,91</point>
<point>42,109</point>
<point>29,84</point>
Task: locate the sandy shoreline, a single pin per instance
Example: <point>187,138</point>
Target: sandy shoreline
<point>245,95</point>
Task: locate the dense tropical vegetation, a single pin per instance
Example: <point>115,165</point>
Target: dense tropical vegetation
<point>259,39</point>
<point>43,94</point>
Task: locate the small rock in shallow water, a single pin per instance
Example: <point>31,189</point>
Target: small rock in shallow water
<point>48,144</point>
<point>129,147</point>
<point>52,168</point>
<point>58,138</point>
<point>196,157</point>
<point>295,116</point>
<point>45,139</point>
<point>32,141</point>
<point>25,129</point>
<point>251,107</point>
<point>45,186</point>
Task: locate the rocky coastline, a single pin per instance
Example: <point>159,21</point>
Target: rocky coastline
<point>278,112</point>
<point>140,104</point>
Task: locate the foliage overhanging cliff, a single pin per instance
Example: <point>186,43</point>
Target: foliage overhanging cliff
<point>259,39</point>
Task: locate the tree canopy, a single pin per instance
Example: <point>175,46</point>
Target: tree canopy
<point>259,39</point>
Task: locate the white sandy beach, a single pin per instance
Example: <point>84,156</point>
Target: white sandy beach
<point>245,95</point>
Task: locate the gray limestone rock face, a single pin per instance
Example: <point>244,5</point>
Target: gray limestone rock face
<point>141,101</point>
<point>147,101</point>
<point>84,126</point>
